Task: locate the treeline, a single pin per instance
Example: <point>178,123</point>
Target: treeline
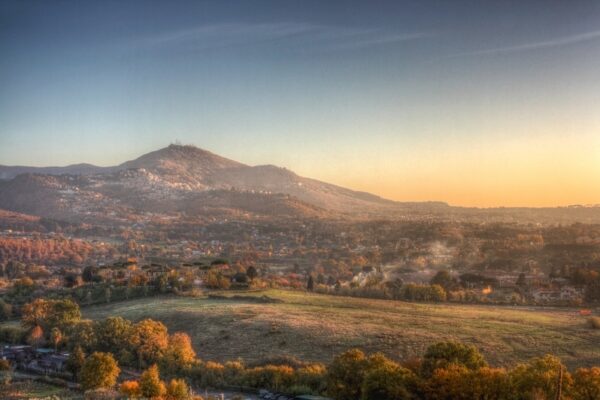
<point>446,371</point>
<point>48,251</point>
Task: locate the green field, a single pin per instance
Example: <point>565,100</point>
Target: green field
<point>316,327</point>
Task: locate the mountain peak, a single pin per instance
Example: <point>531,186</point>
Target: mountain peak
<point>181,156</point>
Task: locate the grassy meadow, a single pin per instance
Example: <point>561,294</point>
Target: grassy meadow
<point>316,327</point>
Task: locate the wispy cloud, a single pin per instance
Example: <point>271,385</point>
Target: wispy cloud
<point>556,42</point>
<point>298,34</point>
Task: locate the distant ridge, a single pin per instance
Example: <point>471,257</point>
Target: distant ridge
<point>175,171</point>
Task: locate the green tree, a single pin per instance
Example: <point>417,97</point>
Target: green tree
<point>114,333</point>
<point>100,370</point>
<point>442,354</point>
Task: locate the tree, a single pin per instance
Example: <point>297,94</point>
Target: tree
<point>100,370</point>
<point>150,384</point>
<point>216,280</point>
<point>75,361</point>
<point>114,333</point>
<point>386,380</point>
<point>252,273</point>
<point>83,334</point>
<point>586,384</point>
<point>310,285</point>
<point>442,354</point>
<point>48,314</point>
<point>457,382</point>
<point>444,279</point>
<point>130,389</point>
<point>56,337</point>
<point>346,374</point>
<point>539,377</point>
<point>151,339</point>
<point>89,273</point>
<point>177,389</point>
<point>521,281</point>
<point>5,310</point>
<point>36,336</point>
<point>179,353</point>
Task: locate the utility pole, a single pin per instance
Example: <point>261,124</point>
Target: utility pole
<point>559,383</point>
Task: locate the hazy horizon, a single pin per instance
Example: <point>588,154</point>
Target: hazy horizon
<point>468,103</point>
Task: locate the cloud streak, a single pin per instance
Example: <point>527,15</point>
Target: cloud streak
<point>216,36</point>
<point>562,41</point>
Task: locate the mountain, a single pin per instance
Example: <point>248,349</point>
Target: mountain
<point>177,178</point>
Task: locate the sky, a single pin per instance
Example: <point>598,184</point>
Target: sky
<point>476,103</point>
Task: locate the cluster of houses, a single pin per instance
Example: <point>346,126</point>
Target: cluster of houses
<point>41,361</point>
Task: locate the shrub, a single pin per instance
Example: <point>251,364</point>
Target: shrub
<point>130,389</point>
<point>210,374</point>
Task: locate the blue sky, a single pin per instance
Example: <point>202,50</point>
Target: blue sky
<point>471,102</point>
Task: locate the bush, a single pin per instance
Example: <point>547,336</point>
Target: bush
<point>209,374</point>
<point>130,389</point>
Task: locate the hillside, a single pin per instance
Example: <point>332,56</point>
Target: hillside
<point>316,327</point>
<point>176,178</point>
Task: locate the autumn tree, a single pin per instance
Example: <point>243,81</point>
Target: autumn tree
<point>345,375</point>
<point>56,337</point>
<point>539,377</point>
<point>151,340</point>
<point>586,384</point>
<point>36,336</point>
<point>179,354</point>
<point>48,314</point>
<point>150,384</point>
<point>457,382</point>
<point>83,334</point>
<point>177,389</point>
<point>100,370</point>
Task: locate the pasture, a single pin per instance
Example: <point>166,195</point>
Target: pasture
<point>317,327</point>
